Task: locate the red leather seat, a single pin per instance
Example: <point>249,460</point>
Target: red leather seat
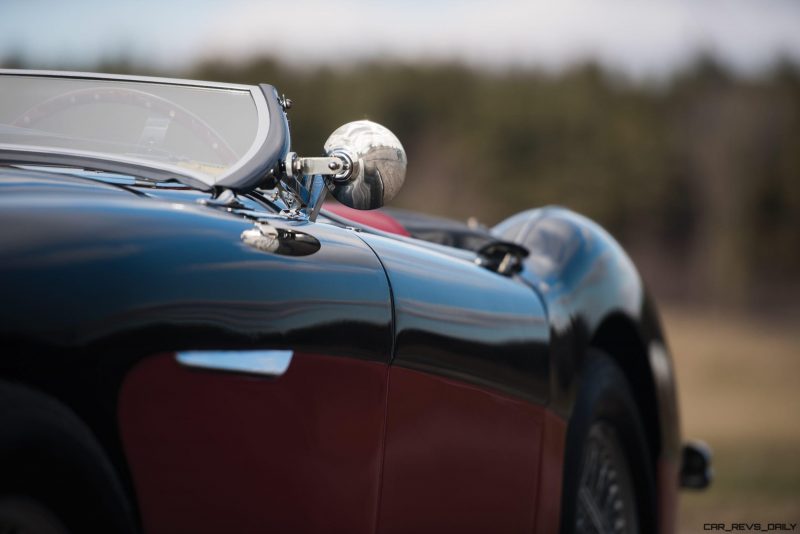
<point>373,218</point>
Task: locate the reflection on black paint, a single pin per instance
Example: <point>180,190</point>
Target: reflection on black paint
<point>456,319</point>
<point>584,277</point>
<point>81,270</point>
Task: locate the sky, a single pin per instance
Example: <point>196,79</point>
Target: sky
<point>640,38</point>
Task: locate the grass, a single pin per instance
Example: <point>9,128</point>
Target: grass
<point>738,387</point>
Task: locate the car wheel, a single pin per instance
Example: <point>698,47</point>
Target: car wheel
<point>24,515</point>
<point>608,474</point>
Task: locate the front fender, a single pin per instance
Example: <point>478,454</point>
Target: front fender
<point>591,289</point>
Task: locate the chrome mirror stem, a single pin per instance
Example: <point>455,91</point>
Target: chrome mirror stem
<point>305,179</point>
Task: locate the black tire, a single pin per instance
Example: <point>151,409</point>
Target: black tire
<point>609,484</point>
<point>24,515</point>
<point>51,463</point>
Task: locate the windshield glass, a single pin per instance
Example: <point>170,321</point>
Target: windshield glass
<point>203,132</point>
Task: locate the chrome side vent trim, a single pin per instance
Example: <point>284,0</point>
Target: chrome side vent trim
<point>258,362</point>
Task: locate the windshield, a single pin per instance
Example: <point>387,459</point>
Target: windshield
<point>203,132</point>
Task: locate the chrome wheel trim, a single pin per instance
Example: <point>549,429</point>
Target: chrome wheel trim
<point>606,499</point>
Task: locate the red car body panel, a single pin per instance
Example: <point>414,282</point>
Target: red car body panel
<point>219,452</point>
<point>316,450</point>
<point>551,469</point>
<point>458,458</point>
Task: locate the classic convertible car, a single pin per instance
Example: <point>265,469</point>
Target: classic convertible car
<point>192,342</point>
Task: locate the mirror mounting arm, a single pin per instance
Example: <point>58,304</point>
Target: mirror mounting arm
<point>337,165</point>
<point>305,178</point>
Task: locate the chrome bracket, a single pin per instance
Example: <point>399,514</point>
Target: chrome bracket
<point>304,180</point>
<point>329,166</point>
<point>335,165</point>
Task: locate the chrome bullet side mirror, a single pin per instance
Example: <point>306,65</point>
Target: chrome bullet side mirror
<point>364,167</point>
<point>374,168</point>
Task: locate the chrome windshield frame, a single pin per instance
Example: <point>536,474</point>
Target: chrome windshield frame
<point>270,144</point>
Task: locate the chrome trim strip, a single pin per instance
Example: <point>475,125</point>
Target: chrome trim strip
<point>260,362</point>
<point>262,129</point>
<point>126,78</point>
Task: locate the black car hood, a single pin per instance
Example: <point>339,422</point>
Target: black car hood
<point>84,262</point>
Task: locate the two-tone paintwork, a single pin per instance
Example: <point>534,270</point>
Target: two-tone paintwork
<point>96,278</point>
<point>423,385</point>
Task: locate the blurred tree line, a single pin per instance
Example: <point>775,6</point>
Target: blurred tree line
<point>698,176</point>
